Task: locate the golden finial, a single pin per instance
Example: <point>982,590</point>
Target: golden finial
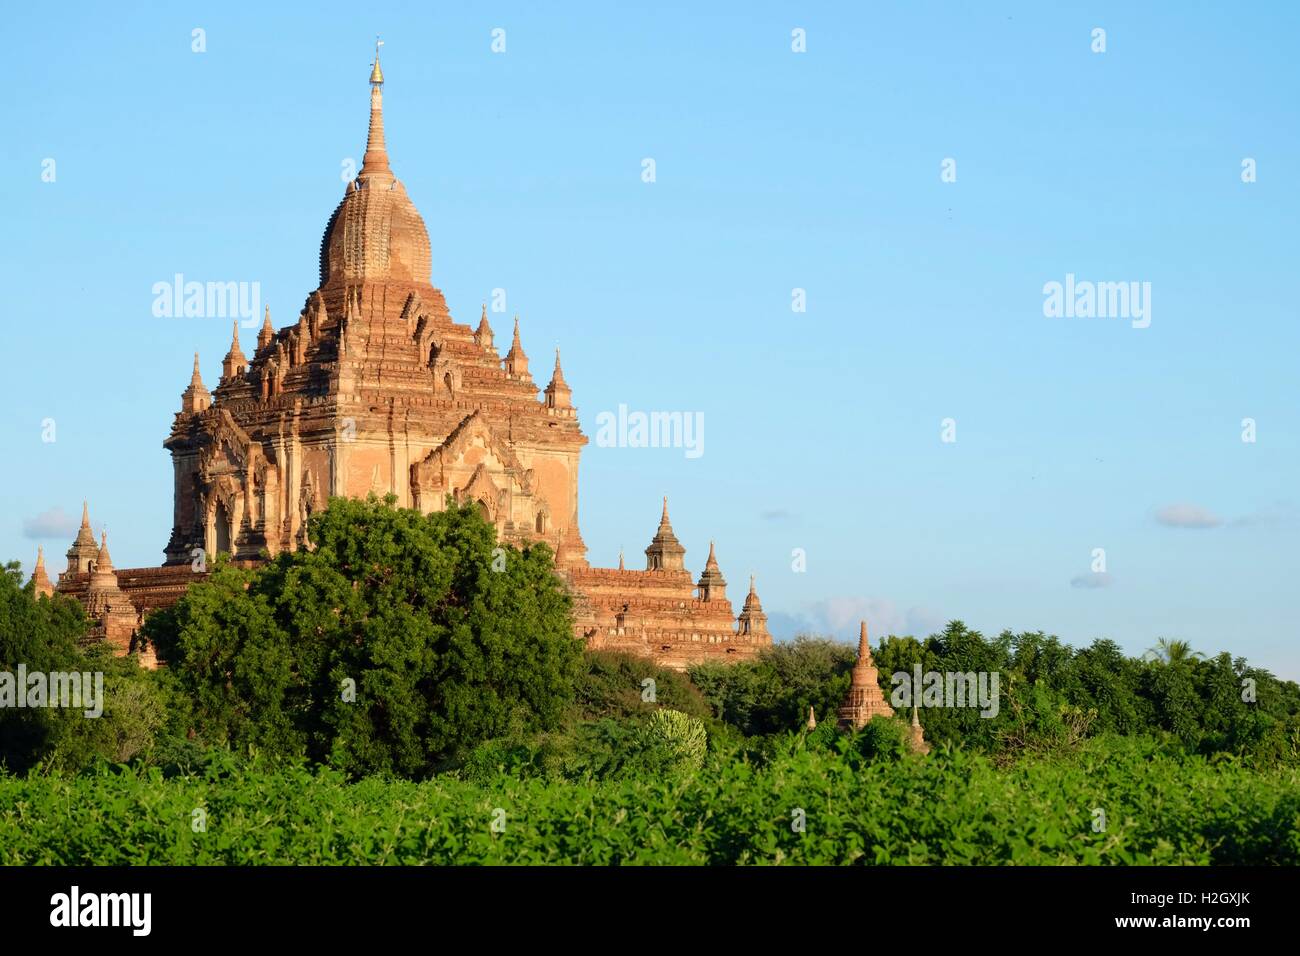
<point>377,75</point>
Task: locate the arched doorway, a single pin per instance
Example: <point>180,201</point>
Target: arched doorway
<point>222,531</point>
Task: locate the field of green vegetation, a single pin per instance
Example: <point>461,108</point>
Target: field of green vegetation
<point>952,808</point>
<point>395,697</point>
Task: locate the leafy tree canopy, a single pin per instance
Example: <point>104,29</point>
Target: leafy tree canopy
<point>397,641</point>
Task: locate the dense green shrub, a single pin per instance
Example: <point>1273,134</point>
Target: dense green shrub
<point>618,685</point>
<point>772,693</point>
<point>672,742</point>
<point>42,635</point>
<point>950,807</point>
<point>397,641</point>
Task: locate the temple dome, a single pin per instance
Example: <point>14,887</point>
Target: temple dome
<point>375,233</point>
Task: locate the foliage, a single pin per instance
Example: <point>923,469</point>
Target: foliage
<point>395,642</point>
<point>42,634</point>
<point>614,685</point>
<point>772,693</point>
<point>954,807</point>
<point>672,742</point>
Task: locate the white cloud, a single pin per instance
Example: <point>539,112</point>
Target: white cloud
<point>55,523</point>
<point>1187,516</point>
<point>839,616</point>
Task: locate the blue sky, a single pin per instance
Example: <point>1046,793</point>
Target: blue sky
<point>775,170</point>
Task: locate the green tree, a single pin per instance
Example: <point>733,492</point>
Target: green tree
<point>396,642</point>
<point>43,634</point>
<point>1172,652</point>
<point>772,693</point>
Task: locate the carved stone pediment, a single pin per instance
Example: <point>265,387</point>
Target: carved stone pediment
<point>432,473</point>
<point>224,447</point>
<point>483,489</point>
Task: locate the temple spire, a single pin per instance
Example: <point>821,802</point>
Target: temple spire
<point>103,562</point>
<point>516,360</point>
<point>267,332</point>
<point>558,393</point>
<point>916,736</point>
<point>865,699</point>
<point>234,363</point>
<point>374,165</point>
<point>665,552</point>
<point>712,585</point>
<point>83,552</point>
<point>752,622</point>
<point>483,334</point>
<point>40,578</point>
<point>196,397</point>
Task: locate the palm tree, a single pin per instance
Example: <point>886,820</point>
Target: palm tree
<point>1173,652</point>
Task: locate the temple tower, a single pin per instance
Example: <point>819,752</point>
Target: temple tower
<point>865,699</point>
<point>752,623</point>
<point>373,386</point>
<point>665,552</point>
<point>107,605</point>
<point>712,586</point>
<point>82,554</point>
<point>40,578</point>
<point>916,736</point>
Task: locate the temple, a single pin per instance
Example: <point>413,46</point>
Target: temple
<point>375,387</point>
<point>865,698</point>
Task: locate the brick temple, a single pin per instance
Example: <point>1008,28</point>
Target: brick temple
<point>377,388</point>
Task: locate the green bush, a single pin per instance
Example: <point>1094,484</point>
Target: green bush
<point>951,807</point>
<point>399,641</point>
<point>672,742</point>
<point>615,685</point>
<point>883,739</point>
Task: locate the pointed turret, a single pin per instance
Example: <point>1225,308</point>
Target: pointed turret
<point>234,363</point>
<point>516,360</point>
<point>106,604</point>
<point>82,554</point>
<point>665,552</point>
<point>812,719</point>
<point>103,561</point>
<point>917,735</point>
<point>40,578</point>
<point>620,560</point>
<point>267,332</point>
<point>195,398</point>
<point>558,393</point>
<point>752,621</point>
<point>712,585</point>
<point>374,165</point>
<point>483,334</point>
<point>865,699</point>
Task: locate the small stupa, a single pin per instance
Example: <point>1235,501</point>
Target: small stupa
<point>865,699</point>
